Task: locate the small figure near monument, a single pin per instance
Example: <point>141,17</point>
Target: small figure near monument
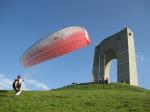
<point>99,79</point>
<point>106,81</point>
<point>17,85</point>
<point>102,80</point>
<point>123,81</point>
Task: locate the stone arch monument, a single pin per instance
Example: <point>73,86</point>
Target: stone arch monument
<point>119,46</point>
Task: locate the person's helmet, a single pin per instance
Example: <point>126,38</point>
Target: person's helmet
<point>18,76</point>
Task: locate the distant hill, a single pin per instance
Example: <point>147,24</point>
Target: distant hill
<point>79,98</point>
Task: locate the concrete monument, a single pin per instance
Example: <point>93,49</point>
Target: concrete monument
<point>119,46</point>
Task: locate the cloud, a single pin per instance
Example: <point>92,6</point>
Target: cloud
<point>2,76</point>
<point>141,57</point>
<point>36,84</point>
<point>5,83</point>
<point>30,84</point>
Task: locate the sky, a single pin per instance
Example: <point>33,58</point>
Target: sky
<point>24,22</point>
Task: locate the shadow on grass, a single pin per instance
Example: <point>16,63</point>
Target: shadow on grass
<point>3,93</point>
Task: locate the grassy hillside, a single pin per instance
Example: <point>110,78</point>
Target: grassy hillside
<point>79,98</point>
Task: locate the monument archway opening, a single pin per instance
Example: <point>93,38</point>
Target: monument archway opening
<point>113,71</point>
<point>107,56</point>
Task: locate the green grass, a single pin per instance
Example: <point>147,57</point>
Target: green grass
<point>79,98</point>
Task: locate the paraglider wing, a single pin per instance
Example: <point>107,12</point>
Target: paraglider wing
<point>57,44</point>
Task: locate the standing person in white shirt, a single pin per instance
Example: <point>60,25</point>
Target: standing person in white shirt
<point>18,84</point>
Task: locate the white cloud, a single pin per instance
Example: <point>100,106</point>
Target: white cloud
<point>38,85</point>
<point>2,76</point>
<point>26,88</point>
<point>140,57</point>
<point>6,84</point>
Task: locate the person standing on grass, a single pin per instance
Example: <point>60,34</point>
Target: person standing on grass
<point>18,84</point>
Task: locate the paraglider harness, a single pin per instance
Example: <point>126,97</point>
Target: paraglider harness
<point>16,85</point>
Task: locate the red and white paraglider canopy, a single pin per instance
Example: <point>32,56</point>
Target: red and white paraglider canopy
<point>57,44</point>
